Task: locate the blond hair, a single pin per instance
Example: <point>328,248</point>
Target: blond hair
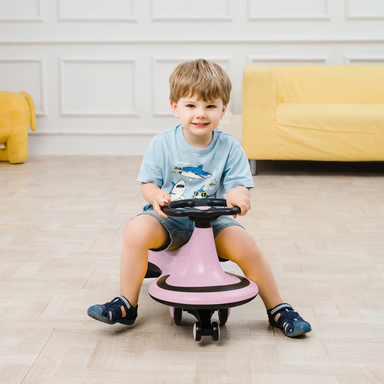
<point>207,80</point>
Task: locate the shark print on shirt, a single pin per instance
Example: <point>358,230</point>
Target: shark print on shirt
<point>177,191</point>
<point>193,173</point>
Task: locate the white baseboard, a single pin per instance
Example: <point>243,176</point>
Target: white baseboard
<point>88,144</point>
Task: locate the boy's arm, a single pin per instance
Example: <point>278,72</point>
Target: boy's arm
<point>239,196</point>
<point>155,196</point>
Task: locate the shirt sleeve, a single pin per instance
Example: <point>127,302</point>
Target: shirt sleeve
<point>236,170</point>
<point>151,170</point>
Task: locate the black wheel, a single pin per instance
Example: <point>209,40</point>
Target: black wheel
<point>215,331</point>
<point>223,315</point>
<point>197,331</point>
<point>177,315</point>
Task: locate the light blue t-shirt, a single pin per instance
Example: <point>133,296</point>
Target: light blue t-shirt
<point>186,172</point>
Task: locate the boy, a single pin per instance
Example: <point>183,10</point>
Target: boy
<point>195,159</point>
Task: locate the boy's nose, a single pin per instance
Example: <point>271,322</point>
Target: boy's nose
<point>200,112</point>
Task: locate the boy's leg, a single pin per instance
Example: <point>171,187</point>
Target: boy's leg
<point>236,244</point>
<point>142,233</point>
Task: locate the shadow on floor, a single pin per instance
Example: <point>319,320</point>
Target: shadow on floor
<point>318,168</point>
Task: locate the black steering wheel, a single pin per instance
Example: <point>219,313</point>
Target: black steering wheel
<point>184,208</point>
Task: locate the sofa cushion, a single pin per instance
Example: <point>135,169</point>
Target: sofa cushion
<point>345,118</point>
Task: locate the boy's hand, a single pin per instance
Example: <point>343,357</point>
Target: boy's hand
<point>239,197</point>
<point>161,199</point>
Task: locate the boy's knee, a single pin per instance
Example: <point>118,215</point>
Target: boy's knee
<point>236,244</point>
<point>135,232</point>
<point>143,231</point>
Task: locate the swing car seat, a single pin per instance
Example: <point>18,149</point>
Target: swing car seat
<point>191,278</point>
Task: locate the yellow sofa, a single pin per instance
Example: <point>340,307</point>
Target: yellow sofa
<point>327,113</point>
<point>17,112</point>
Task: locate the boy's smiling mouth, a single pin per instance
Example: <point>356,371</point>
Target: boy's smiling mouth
<point>200,124</point>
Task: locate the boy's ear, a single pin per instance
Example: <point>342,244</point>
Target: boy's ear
<point>223,111</point>
<point>174,109</point>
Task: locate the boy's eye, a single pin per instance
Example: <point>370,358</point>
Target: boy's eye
<point>211,106</point>
<point>190,106</point>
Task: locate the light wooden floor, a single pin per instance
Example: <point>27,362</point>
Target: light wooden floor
<point>61,223</point>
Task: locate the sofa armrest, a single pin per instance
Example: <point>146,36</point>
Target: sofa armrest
<point>259,91</point>
<point>259,105</point>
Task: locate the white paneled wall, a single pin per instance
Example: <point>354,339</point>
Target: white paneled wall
<point>98,70</point>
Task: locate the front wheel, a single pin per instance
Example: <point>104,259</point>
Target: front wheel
<point>223,315</point>
<point>197,331</point>
<point>215,331</point>
<point>176,314</point>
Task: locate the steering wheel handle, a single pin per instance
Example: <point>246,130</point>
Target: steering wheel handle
<point>218,207</point>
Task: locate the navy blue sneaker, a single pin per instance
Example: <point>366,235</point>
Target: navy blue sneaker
<point>110,313</point>
<point>290,322</point>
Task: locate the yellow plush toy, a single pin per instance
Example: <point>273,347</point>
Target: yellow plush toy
<point>17,112</point>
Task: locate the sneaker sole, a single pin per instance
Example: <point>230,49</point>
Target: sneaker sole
<point>97,316</point>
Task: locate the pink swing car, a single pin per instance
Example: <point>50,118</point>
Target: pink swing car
<point>191,279</point>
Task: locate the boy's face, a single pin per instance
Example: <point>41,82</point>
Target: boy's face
<point>198,117</point>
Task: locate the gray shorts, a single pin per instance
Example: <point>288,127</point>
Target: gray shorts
<point>180,228</point>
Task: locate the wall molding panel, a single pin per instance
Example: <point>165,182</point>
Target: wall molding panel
<point>116,92</point>
<point>288,60</point>
<point>98,70</point>
<point>201,10</point>
<point>15,77</point>
<point>95,11</point>
<point>364,60</point>
<point>17,11</point>
<point>281,10</point>
<point>364,10</point>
